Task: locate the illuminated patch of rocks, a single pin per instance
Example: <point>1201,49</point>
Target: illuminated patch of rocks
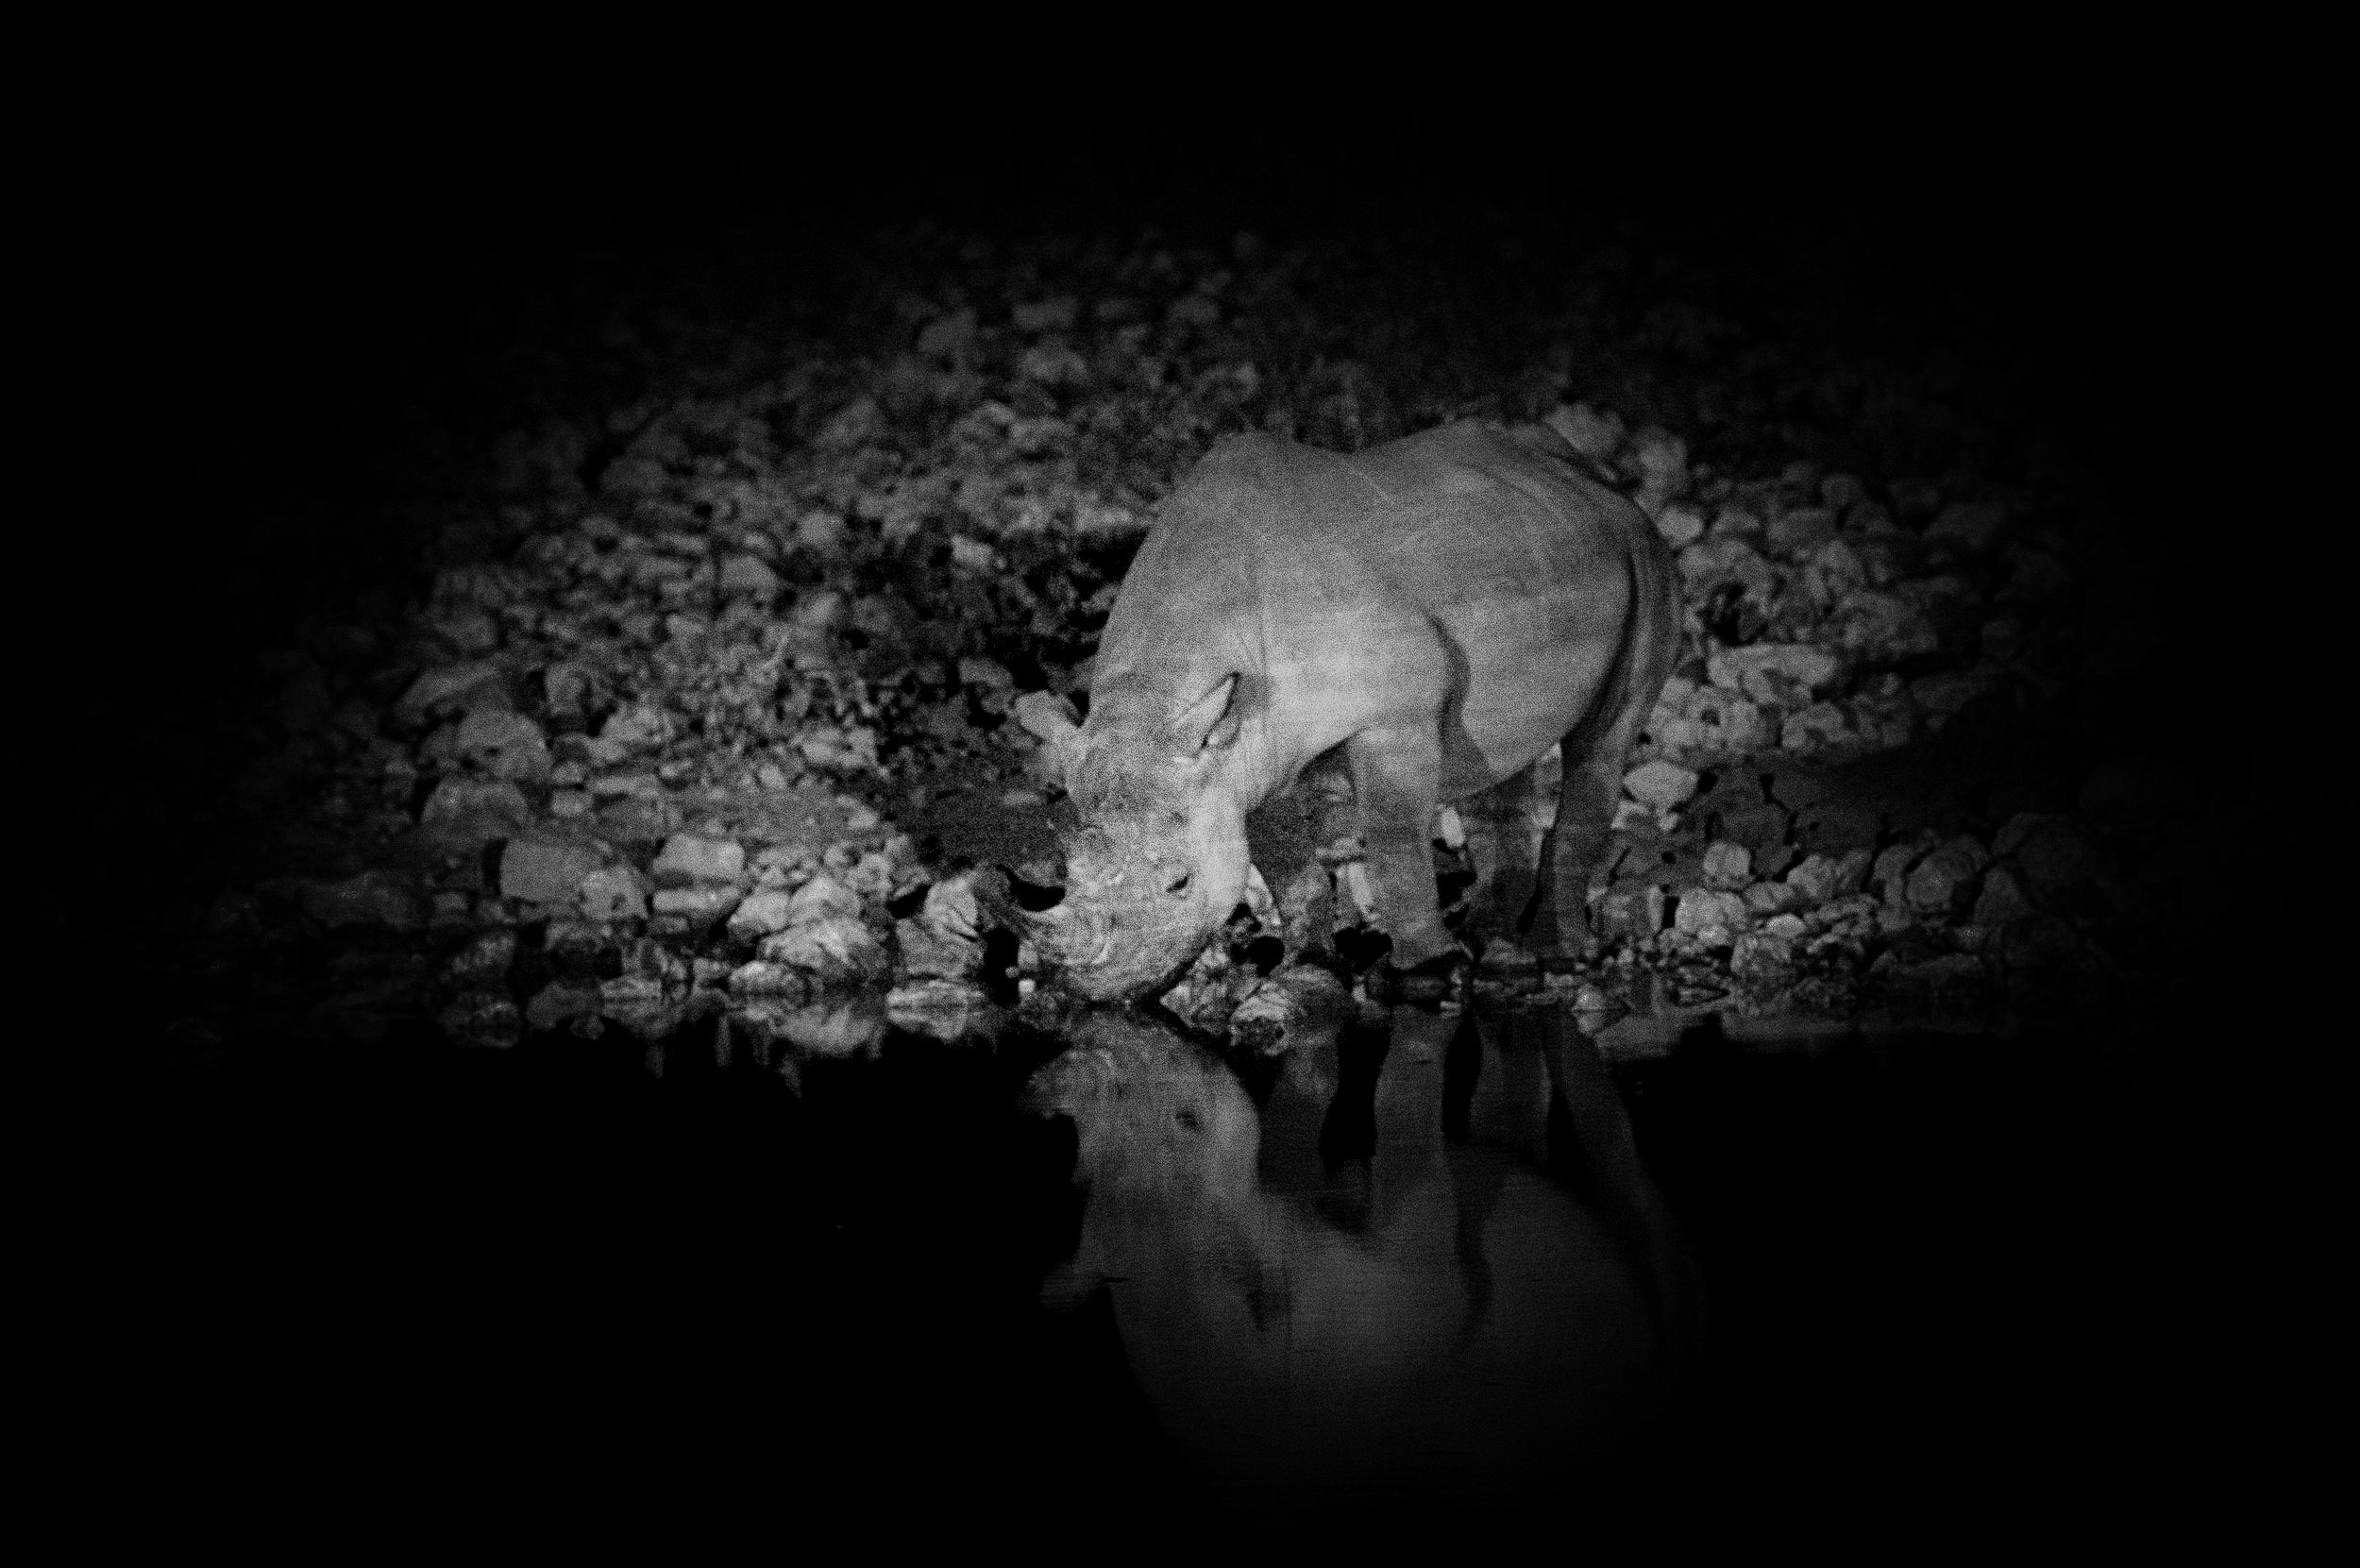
<point>640,772</point>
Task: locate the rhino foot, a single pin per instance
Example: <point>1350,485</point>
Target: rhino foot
<point>1444,975</point>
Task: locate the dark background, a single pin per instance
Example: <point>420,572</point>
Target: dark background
<point>320,315</point>
<point>303,312</point>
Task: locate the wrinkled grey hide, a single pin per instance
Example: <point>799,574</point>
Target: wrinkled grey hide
<point>1436,613</point>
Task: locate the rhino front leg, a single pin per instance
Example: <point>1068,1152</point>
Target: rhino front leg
<point>1396,773</point>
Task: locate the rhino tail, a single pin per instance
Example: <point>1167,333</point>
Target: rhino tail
<point>1650,649</point>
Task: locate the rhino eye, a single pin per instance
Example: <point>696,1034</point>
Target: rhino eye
<point>1179,884</point>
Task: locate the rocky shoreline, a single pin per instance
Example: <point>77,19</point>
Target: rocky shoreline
<point>711,710</point>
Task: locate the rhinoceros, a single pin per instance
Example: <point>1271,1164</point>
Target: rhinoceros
<point>1432,613</point>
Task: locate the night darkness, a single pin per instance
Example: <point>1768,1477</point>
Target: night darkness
<point>515,1096</point>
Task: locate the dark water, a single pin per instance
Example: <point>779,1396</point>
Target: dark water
<point>1437,1279</point>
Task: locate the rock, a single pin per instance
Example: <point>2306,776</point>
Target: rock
<point>561,1002</point>
<point>484,1019</point>
<point>1943,882</point>
<point>1659,784</point>
<point>504,745</point>
<point>1852,915</point>
<point>1726,721</point>
<point>1774,673</point>
<point>926,950</point>
<point>763,912</point>
<point>1679,526</point>
<point>1787,927</point>
<point>541,871</point>
<point>1193,310</point>
<point>1738,522</point>
<point>1881,628</point>
<point>482,964</point>
<point>1761,960</point>
<point>476,811</point>
<point>688,859</point>
<point>1663,470</point>
<point>768,979</point>
<point>1595,433</point>
<point>1727,867</point>
<point>1046,315</point>
<point>2016,828</point>
<point>637,726</point>
<point>1820,725</point>
<point>1635,914</point>
<point>749,577</point>
<point>1814,880</point>
<point>949,334</point>
<point>1764,899</point>
<point>1973,526</point>
<point>820,533</point>
<point>1712,563</point>
<point>2055,859</point>
<point>857,424</point>
<point>945,1009</point>
<point>614,893</point>
<point>373,898</point>
<point>642,1004</point>
<point>1712,917</point>
<point>824,898</point>
<point>1054,364</point>
<point>696,906</point>
<point>845,1029</point>
<point>1800,533</point>
<point>450,689</point>
<point>1833,574</point>
<point>2003,901</point>
<point>1891,866</point>
<point>831,946</point>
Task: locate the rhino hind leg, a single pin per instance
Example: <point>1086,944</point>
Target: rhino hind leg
<point>1502,840</point>
<point>1595,752</point>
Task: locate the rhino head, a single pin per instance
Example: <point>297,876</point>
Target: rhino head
<point>1158,859</point>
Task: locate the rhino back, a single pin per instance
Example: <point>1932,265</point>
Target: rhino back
<point>1451,571</point>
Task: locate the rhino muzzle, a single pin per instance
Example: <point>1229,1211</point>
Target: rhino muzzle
<point>1093,955</point>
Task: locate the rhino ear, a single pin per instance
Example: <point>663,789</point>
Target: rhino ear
<point>1051,717</point>
<point>1212,719</point>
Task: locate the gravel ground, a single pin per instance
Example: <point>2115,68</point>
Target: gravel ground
<point>677,670</point>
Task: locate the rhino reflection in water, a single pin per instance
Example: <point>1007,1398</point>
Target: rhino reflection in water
<point>1431,615</point>
<point>1378,1290</point>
